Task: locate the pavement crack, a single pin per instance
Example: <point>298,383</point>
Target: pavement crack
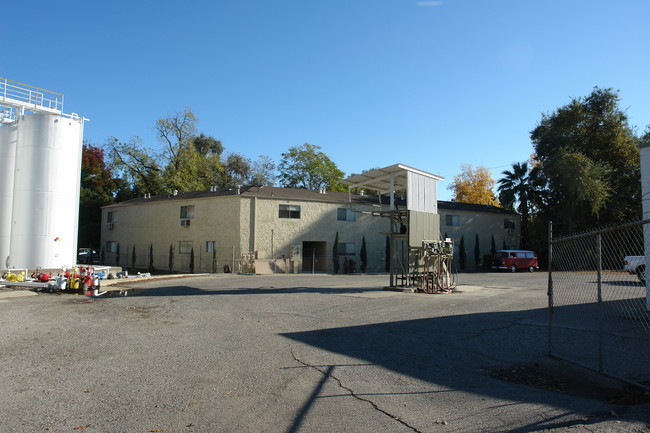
<point>354,395</point>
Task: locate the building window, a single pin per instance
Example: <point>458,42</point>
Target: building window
<point>347,249</point>
<point>111,246</point>
<point>111,216</point>
<point>289,211</point>
<point>187,212</point>
<point>185,247</point>
<point>509,224</point>
<point>452,220</point>
<point>345,214</point>
<point>210,246</point>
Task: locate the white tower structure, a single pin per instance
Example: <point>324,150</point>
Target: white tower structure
<point>40,171</point>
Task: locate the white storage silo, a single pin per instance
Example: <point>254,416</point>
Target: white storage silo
<point>8,135</point>
<point>46,191</point>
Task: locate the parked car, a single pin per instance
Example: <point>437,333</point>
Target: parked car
<point>87,255</point>
<point>515,260</point>
<point>635,265</point>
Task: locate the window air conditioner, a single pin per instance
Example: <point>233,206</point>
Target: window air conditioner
<point>109,226</point>
<point>185,223</point>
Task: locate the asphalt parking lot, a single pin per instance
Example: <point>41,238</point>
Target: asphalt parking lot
<point>297,353</point>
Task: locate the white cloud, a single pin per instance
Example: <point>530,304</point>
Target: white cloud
<point>429,3</point>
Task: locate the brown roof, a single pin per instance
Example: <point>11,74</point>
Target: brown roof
<point>472,207</point>
<point>264,192</point>
<point>305,195</point>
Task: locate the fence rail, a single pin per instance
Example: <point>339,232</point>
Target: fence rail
<point>599,313</point>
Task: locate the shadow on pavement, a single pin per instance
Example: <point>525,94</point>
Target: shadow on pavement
<point>477,353</point>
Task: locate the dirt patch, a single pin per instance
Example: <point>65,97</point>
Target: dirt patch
<point>573,382</point>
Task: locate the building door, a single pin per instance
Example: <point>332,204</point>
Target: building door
<point>314,256</point>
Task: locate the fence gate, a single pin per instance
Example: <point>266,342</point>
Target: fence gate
<point>599,314</point>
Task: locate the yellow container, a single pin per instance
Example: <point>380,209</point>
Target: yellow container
<point>74,283</point>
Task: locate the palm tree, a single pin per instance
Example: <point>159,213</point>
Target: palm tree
<point>519,186</point>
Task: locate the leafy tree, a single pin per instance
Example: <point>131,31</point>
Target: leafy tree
<point>335,253</point>
<point>473,185</point>
<point>521,187</point>
<point>307,167</point>
<point>138,165</point>
<point>98,187</point>
<point>207,145</point>
<point>193,172</point>
<point>176,132</point>
<point>363,255</point>
<point>188,162</point>
<point>262,172</point>
<point>477,253</point>
<point>462,259</point>
<point>236,170</point>
<point>588,157</point>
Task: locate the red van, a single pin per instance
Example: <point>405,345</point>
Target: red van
<point>515,260</point>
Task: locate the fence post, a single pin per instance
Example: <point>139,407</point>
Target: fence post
<point>550,287</point>
<point>599,257</point>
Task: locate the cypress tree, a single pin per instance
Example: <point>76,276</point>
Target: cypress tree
<point>151,268</point>
<point>335,253</point>
<point>364,255</point>
<point>462,253</point>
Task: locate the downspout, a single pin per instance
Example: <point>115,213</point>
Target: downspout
<point>253,226</point>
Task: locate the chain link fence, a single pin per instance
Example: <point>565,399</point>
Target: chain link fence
<point>599,306</point>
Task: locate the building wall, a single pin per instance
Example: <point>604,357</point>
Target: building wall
<point>486,225</point>
<point>238,224</point>
<point>248,224</point>
<point>157,224</point>
<point>318,222</point>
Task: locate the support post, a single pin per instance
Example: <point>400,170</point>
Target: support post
<point>549,293</point>
<point>599,258</point>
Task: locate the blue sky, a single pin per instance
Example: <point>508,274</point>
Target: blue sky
<point>430,84</point>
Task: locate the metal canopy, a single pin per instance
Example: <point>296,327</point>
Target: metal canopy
<point>380,179</point>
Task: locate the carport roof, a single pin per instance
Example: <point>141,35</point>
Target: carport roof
<point>380,179</point>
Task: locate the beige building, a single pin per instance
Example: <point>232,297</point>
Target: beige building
<point>269,229</point>
<point>469,220</point>
<point>277,229</point>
